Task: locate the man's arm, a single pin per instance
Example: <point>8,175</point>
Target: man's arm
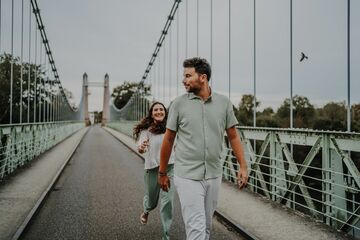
<point>237,147</point>
<point>165,152</point>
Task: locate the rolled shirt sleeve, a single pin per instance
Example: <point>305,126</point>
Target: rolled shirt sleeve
<point>231,120</point>
<point>173,116</point>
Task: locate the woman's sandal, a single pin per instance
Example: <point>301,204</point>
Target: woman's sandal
<point>144,218</point>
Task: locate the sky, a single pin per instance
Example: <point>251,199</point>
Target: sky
<point>118,38</point>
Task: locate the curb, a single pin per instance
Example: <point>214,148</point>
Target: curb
<point>44,195</point>
<point>239,229</point>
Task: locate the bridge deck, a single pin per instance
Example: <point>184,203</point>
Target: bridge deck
<point>99,196</point>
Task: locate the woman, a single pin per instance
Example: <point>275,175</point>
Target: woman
<point>149,135</point>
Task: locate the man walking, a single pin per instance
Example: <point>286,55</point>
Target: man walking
<point>198,121</point>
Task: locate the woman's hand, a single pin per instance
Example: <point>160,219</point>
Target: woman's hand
<point>143,147</point>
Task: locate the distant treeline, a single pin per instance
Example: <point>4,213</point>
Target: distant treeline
<point>332,116</point>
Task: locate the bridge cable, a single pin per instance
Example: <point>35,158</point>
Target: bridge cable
<point>29,70</point>
<point>348,69</point>
<point>254,66</point>
<point>197,28</point>
<point>177,53</point>
<point>229,48</point>
<point>12,60</point>
<point>21,60</point>
<point>211,38</point>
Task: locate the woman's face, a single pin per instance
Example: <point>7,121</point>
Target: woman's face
<point>158,113</point>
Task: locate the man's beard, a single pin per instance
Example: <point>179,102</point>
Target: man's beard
<point>193,90</point>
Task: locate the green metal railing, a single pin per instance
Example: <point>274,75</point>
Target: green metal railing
<point>320,178</point>
<point>22,143</point>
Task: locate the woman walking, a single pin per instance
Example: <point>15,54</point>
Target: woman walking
<point>149,135</point>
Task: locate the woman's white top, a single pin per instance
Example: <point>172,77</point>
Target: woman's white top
<point>152,152</point>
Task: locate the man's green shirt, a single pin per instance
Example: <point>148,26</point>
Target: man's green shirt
<point>200,127</point>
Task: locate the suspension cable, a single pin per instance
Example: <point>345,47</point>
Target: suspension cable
<point>12,61</point>
<point>21,59</point>
<point>161,39</point>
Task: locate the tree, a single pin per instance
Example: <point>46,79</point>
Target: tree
<point>266,118</point>
<point>331,117</point>
<point>303,112</point>
<point>355,109</point>
<point>5,85</point>
<point>122,94</point>
<point>244,113</point>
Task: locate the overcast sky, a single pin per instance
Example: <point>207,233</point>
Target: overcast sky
<point>118,38</point>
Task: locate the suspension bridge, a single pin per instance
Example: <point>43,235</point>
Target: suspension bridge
<point>64,177</point>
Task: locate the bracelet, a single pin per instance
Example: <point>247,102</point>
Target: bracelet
<point>162,174</point>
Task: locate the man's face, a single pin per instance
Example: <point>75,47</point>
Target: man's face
<point>191,81</point>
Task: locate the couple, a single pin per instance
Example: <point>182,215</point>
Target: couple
<point>198,120</point>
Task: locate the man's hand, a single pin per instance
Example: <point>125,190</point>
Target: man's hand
<point>242,178</point>
<point>164,182</point>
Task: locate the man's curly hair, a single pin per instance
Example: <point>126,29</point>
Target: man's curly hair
<point>201,66</point>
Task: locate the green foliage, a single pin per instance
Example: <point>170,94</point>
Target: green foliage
<point>330,117</point>
<point>244,113</point>
<point>28,70</point>
<point>122,94</point>
<point>35,90</point>
<point>303,113</point>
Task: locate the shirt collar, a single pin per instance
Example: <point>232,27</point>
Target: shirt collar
<point>191,95</point>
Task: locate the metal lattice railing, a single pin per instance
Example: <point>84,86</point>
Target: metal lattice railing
<point>22,143</point>
<point>319,177</point>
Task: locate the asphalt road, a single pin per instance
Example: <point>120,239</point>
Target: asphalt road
<point>99,196</point>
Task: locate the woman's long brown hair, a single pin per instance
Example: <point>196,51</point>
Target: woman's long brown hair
<point>149,123</point>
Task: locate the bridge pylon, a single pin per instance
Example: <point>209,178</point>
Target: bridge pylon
<point>86,99</point>
<point>105,113</point>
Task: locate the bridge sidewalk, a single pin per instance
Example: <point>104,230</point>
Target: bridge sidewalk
<point>20,194</point>
<point>259,216</point>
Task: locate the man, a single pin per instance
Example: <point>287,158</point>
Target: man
<point>198,120</point>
